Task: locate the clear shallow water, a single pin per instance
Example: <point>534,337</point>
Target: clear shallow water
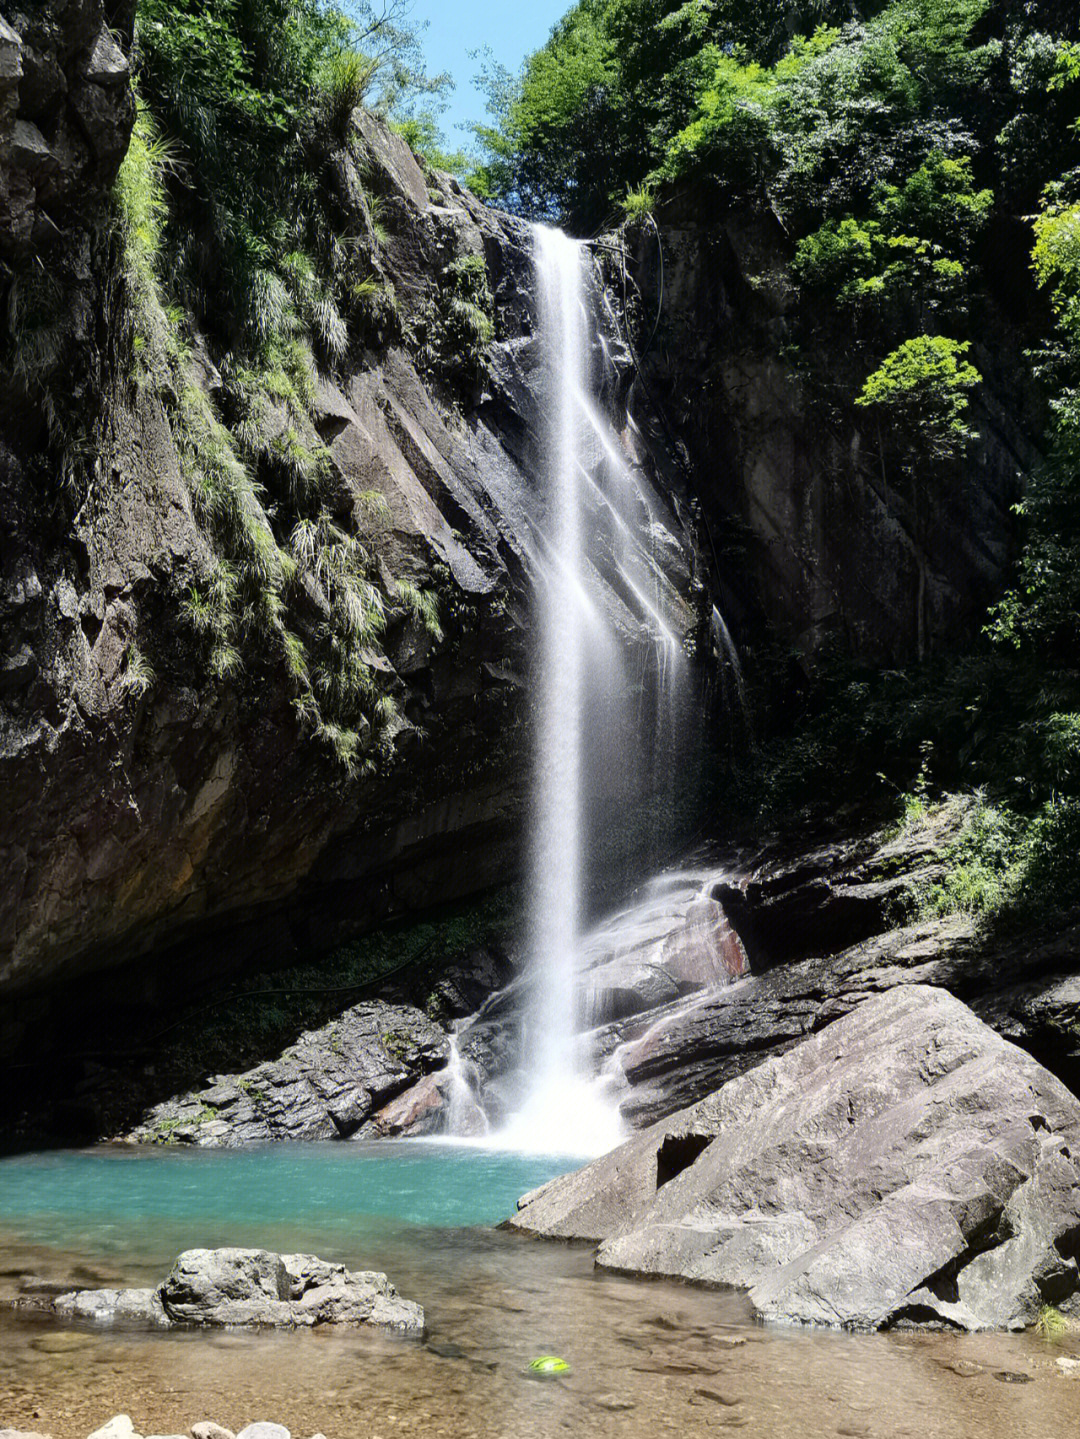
<point>645,1358</point>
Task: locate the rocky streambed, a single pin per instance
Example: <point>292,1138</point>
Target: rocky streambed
<point>643,1356</point>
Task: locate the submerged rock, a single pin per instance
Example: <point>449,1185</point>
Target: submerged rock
<point>132,1308</point>
<point>250,1288</point>
<point>905,1165</point>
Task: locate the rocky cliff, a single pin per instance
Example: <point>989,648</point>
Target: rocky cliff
<point>812,541</point>
<point>167,825</point>
<point>152,807</point>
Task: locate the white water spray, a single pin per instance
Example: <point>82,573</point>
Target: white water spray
<point>561,1110</point>
<point>608,680</point>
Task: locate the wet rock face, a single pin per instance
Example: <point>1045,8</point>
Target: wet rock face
<point>904,1166</point>
<point>248,1288</point>
<point>672,942</point>
<point>815,921</point>
<point>66,112</point>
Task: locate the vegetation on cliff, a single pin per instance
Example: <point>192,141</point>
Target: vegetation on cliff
<point>250,243</point>
<point>903,147</point>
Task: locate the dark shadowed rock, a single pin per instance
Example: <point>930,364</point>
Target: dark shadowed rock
<point>905,1165</point>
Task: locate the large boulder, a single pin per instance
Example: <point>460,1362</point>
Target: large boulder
<point>248,1288</point>
<point>904,1165</point>
<point>256,1287</point>
<point>656,951</point>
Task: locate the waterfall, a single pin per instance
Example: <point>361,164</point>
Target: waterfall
<point>597,529</point>
<point>608,683</point>
<point>560,1111</point>
<point>556,838</point>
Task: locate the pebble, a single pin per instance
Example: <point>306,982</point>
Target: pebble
<point>1068,1366</point>
<point>22,1434</point>
<point>263,1430</point>
<point>730,1400</point>
<point>207,1429</point>
<point>1012,1376</point>
<point>447,1351</point>
<point>614,1402</point>
<point>728,1341</point>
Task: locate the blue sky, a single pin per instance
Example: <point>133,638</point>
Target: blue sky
<point>511,28</point>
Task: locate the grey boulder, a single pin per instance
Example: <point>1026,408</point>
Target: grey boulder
<point>257,1287</point>
<point>249,1288</point>
<point>905,1165</point>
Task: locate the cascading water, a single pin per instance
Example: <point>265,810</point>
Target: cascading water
<point>600,593</point>
<point>612,715</point>
<point>560,1111</point>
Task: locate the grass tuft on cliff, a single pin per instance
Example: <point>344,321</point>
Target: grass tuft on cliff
<point>243,281</point>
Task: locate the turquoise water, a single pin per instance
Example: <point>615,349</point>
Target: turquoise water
<point>345,1200</point>
<point>414,1183</point>
<point>644,1358</point>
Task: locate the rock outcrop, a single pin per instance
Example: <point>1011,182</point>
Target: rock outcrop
<point>249,1288</point>
<point>384,1067</point>
<point>817,922</point>
<point>66,112</point>
<point>322,1087</point>
<point>904,1166</point>
<point>193,818</point>
<point>831,554</point>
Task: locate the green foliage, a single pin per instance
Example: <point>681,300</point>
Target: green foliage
<point>422,134</point>
<point>142,211</point>
<point>423,605</point>
<point>1052,1325</point>
<point>228,240</point>
<point>983,866</point>
<point>137,675</point>
<point>345,79</point>
<point>255,96</point>
<point>801,102</point>
<point>639,204</point>
<point>905,265</point>
<point>923,385</point>
<point>1039,616</point>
